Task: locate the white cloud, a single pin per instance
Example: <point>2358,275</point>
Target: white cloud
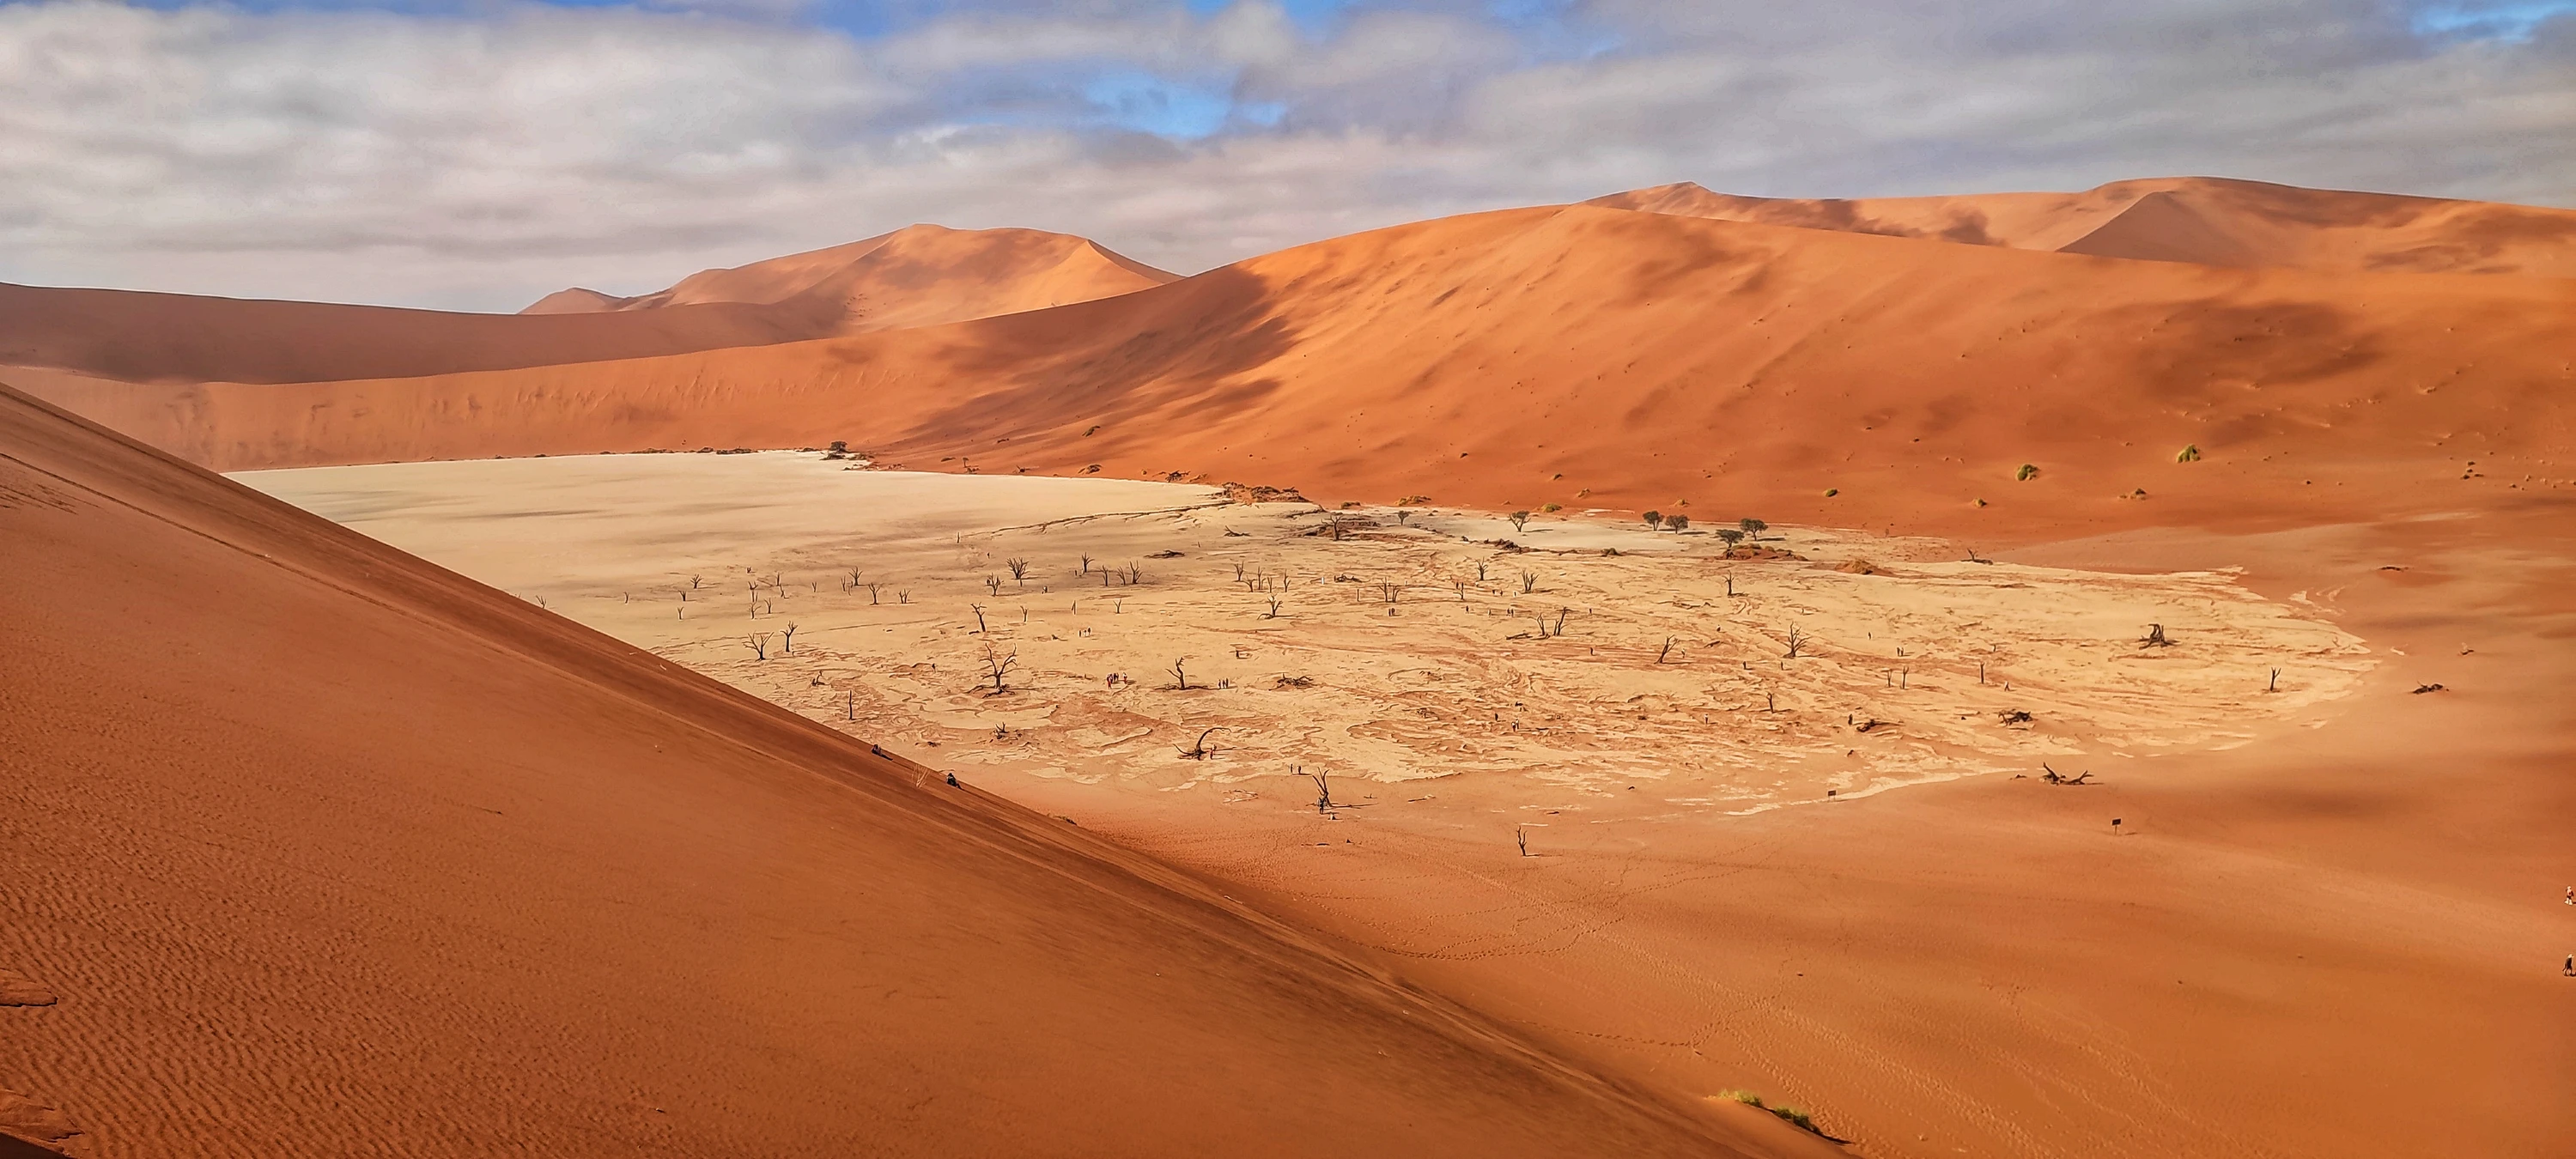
<point>478,159</point>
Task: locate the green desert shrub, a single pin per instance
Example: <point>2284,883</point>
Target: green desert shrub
<point>1801,1119</point>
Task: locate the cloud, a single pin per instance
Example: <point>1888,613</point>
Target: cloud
<point>477,157</point>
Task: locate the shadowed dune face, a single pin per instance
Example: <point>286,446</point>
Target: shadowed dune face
<point>386,862</point>
<point>2207,221</point>
<point>1592,358</point>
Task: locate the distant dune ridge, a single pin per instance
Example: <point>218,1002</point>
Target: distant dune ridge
<point>920,275</point>
<point>322,849</point>
<point>1586,356</point>
<point>2204,220</point>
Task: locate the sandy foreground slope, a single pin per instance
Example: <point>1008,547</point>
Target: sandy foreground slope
<point>2327,925</point>
<point>320,850</point>
<point>917,276</point>
<point>1595,358</point>
<point>2205,220</point>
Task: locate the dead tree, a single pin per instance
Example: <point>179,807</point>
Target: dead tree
<point>2155,637</point>
<point>787,640</point>
<point>1480,572</point>
<point>1199,750</point>
<point>1323,787</point>
<point>2056,778</point>
<point>993,584</point>
<point>1667,650</point>
<point>1135,574</point>
<point>855,580</point>
<point>1389,592</point>
<point>1273,613</point>
<point>1529,582</point>
<point>695,582</point>
<point>1795,641</point>
<point>1180,675</point>
<point>1019,571</point>
<point>871,585</point>
<point>979,616</point>
<point>1086,565</point>
<point>758,642</point>
<point>1561,613</point>
<point>997,667</point>
<point>1521,836</point>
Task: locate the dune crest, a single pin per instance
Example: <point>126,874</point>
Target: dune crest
<point>916,276</point>
<point>2202,220</point>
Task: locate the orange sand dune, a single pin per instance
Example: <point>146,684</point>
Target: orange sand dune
<point>2207,220</point>
<point>1597,358</point>
<point>163,338</point>
<point>916,276</point>
<point>322,850</point>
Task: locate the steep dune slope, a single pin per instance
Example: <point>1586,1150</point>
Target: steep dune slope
<point>2210,221</point>
<point>917,276</point>
<point>323,850</point>
<point>1595,357</point>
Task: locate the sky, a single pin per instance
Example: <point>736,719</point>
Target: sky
<point>477,154</point>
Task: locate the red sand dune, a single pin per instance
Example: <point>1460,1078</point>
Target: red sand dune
<point>133,336</point>
<point>1595,357</point>
<point>324,850</point>
<point>2206,220</point>
<point>920,275</point>
<point>917,276</point>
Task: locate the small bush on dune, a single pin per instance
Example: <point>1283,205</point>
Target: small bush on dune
<point>1792,1115</point>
